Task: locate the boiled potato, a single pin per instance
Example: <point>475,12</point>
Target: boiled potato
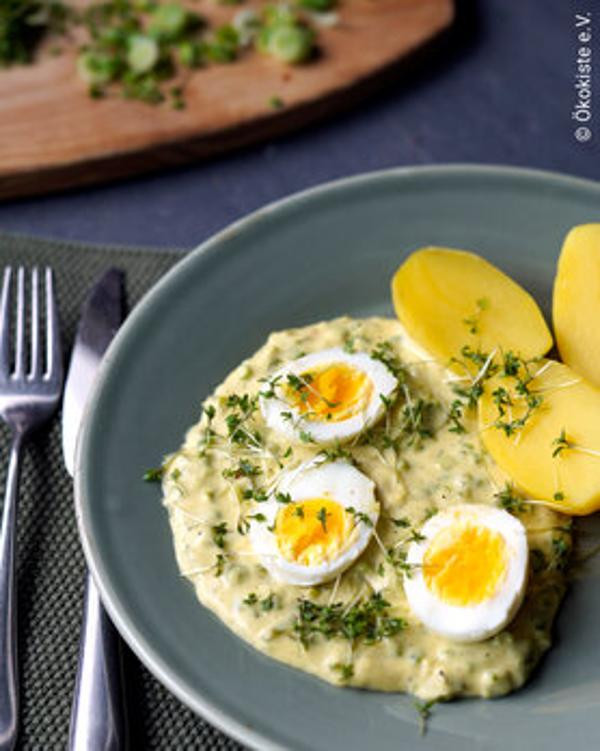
<point>555,455</point>
<point>576,302</point>
<point>449,298</point>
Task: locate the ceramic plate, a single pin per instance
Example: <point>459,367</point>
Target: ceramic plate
<point>323,253</point>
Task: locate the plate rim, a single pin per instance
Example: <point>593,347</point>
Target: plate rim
<point>200,705</point>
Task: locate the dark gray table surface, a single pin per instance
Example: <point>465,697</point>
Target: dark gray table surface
<point>498,89</point>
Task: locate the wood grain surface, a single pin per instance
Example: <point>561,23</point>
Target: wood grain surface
<point>52,135</point>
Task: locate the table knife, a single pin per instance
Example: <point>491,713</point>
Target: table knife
<point>98,711</point>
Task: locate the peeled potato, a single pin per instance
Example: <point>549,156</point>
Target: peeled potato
<point>576,302</point>
<point>570,404</point>
<point>448,298</point>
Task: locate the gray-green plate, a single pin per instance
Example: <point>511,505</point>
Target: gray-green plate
<point>320,254</point>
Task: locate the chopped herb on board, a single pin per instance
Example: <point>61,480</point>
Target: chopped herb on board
<point>276,102</point>
<point>132,48</point>
<point>285,35</point>
<point>319,6</point>
<point>24,23</point>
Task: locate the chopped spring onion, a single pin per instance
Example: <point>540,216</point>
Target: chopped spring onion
<point>142,53</point>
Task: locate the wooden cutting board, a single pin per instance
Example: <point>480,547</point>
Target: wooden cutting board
<point>53,136</point>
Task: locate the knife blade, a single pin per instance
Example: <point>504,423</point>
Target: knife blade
<point>98,711</point>
<point>101,316</point>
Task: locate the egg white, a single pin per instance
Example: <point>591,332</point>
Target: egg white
<point>484,619</point>
<point>337,481</point>
<point>326,432</point>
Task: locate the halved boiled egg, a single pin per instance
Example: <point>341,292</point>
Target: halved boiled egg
<point>467,575</point>
<point>317,523</point>
<point>328,396</point>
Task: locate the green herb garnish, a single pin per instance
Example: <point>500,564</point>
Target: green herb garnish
<point>219,531</point>
<point>367,621</point>
<point>335,454</point>
<point>243,469</point>
<point>265,605</point>
<point>473,322</point>
<point>384,352</point>
<point>538,560</point>
<point>509,501</point>
<point>359,516</point>
<point>345,669</point>
<point>424,710</point>
<point>562,553</point>
<point>562,443</point>
<point>154,475</point>
<point>219,564</point>
<point>322,517</point>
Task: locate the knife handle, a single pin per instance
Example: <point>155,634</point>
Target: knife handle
<point>98,712</point>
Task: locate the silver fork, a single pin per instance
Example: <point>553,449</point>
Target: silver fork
<point>28,396</point>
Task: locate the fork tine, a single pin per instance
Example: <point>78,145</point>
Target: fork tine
<point>5,324</point>
<point>20,325</point>
<point>53,348</point>
<point>36,364</point>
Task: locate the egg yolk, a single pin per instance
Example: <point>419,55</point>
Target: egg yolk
<point>311,532</point>
<point>333,393</point>
<point>465,563</point>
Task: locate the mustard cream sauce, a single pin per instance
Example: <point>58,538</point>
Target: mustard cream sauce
<point>209,509</point>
